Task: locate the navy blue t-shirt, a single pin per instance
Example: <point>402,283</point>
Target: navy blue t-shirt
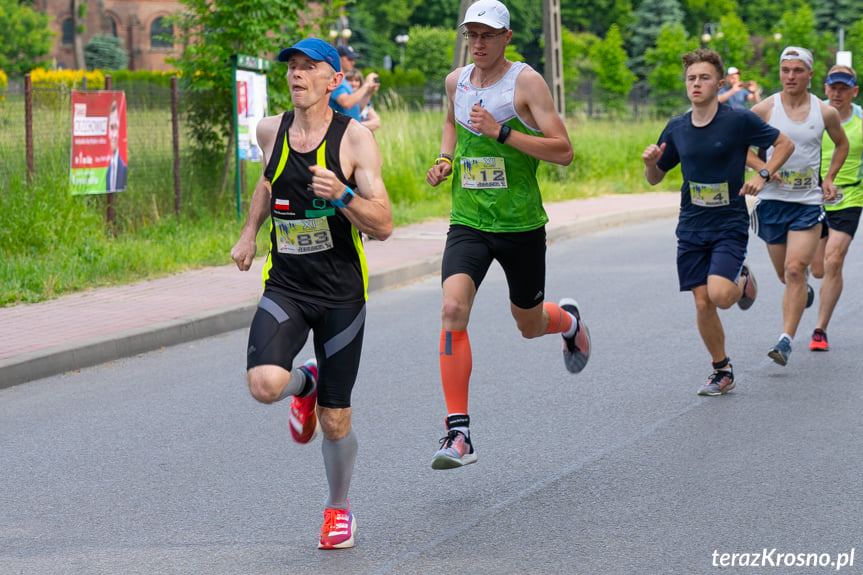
<point>713,160</point>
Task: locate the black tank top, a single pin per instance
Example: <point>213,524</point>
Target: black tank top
<point>316,254</point>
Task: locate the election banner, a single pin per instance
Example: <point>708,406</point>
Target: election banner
<point>99,157</point>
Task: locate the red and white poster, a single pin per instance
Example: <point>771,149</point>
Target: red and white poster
<point>99,162</point>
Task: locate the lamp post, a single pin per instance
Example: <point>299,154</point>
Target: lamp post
<point>402,40</point>
<point>708,32</point>
<point>341,34</point>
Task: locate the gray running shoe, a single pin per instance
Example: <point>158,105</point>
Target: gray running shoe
<point>720,383</point>
<point>750,288</point>
<point>780,352</point>
<point>456,450</point>
<point>576,349</point>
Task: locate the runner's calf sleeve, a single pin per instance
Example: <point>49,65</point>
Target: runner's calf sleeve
<point>456,363</point>
<point>560,321</point>
<point>339,458</point>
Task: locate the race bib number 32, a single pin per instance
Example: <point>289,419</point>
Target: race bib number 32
<point>797,181</point>
<point>480,173</point>
<point>299,237</point>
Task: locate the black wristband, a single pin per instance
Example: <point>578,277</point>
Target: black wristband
<point>504,133</point>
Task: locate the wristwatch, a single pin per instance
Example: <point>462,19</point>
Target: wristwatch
<point>345,199</point>
<point>764,174</point>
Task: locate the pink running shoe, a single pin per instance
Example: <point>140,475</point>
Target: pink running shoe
<point>303,419</point>
<point>338,530</point>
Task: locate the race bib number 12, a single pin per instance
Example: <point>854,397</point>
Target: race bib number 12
<point>481,173</point>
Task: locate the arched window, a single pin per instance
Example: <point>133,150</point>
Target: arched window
<point>113,24</point>
<point>68,28</point>
<point>161,34</point>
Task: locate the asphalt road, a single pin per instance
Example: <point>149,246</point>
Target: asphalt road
<point>162,463</point>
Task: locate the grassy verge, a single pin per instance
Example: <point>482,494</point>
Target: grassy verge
<point>53,243</point>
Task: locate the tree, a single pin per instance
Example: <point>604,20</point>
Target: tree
<point>830,15</point>
<point>213,31</point>
<point>666,69</point>
<point>614,78</point>
<point>79,16</point>
<point>649,19</point>
<point>854,39</point>
<point>25,38</point>
<point>430,51</point>
<point>697,13</point>
<point>731,41</point>
<point>761,16</point>
<point>104,52</point>
<point>374,26</point>
<point>595,16</point>
<point>578,68</point>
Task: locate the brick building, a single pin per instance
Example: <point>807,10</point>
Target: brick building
<point>140,24</point>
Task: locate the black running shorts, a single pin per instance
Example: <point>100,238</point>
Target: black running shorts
<point>520,254</point>
<point>281,328</point>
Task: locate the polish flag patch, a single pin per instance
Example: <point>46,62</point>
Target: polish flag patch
<point>283,205</point>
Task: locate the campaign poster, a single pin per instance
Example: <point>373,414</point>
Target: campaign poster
<point>251,109</point>
<point>99,162</point>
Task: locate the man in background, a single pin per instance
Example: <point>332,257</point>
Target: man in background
<point>790,208</point>
<point>344,99</point>
<point>736,93</point>
<point>843,213</point>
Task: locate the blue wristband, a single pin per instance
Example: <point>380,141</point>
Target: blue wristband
<point>345,199</point>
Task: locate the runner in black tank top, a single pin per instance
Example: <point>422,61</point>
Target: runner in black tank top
<point>321,187</point>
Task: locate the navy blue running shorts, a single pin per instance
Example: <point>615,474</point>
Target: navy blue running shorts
<point>773,219</point>
<point>714,253</point>
<point>281,328</point>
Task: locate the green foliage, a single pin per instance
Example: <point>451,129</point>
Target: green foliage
<point>830,15</point>
<point>105,52</point>
<point>595,16</point>
<point>666,74</point>
<point>402,88</point>
<point>731,41</point>
<point>430,51</point>
<point>699,12</point>
<point>614,78</point>
<point>577,64</point>
<point>649,18</point>
<point>25,38</point>
<point>854,42</point>
<point>213,31</point>
<point>761,16</point>
<point>374,26</point>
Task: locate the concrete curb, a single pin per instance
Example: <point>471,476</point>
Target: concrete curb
<point>87,353</point>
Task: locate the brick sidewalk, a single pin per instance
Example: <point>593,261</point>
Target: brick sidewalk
<point>91,327</point>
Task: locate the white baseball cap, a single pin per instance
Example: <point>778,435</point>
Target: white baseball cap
<point>489,12</point>
<point>795,53</point>
<point>732,70</point>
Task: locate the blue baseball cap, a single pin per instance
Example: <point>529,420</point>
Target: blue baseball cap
<point>316,49</point>
<point>842,77</point>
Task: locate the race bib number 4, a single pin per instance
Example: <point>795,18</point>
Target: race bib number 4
<point>797,181</point>
<point>479,173</point>
<point>299,237</point>
<point>709,195</point>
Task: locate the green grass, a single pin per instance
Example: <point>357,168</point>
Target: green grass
<point>53,243</point>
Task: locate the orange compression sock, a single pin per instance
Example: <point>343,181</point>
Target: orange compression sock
<point>559,320</point>
<point>456,363</point>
